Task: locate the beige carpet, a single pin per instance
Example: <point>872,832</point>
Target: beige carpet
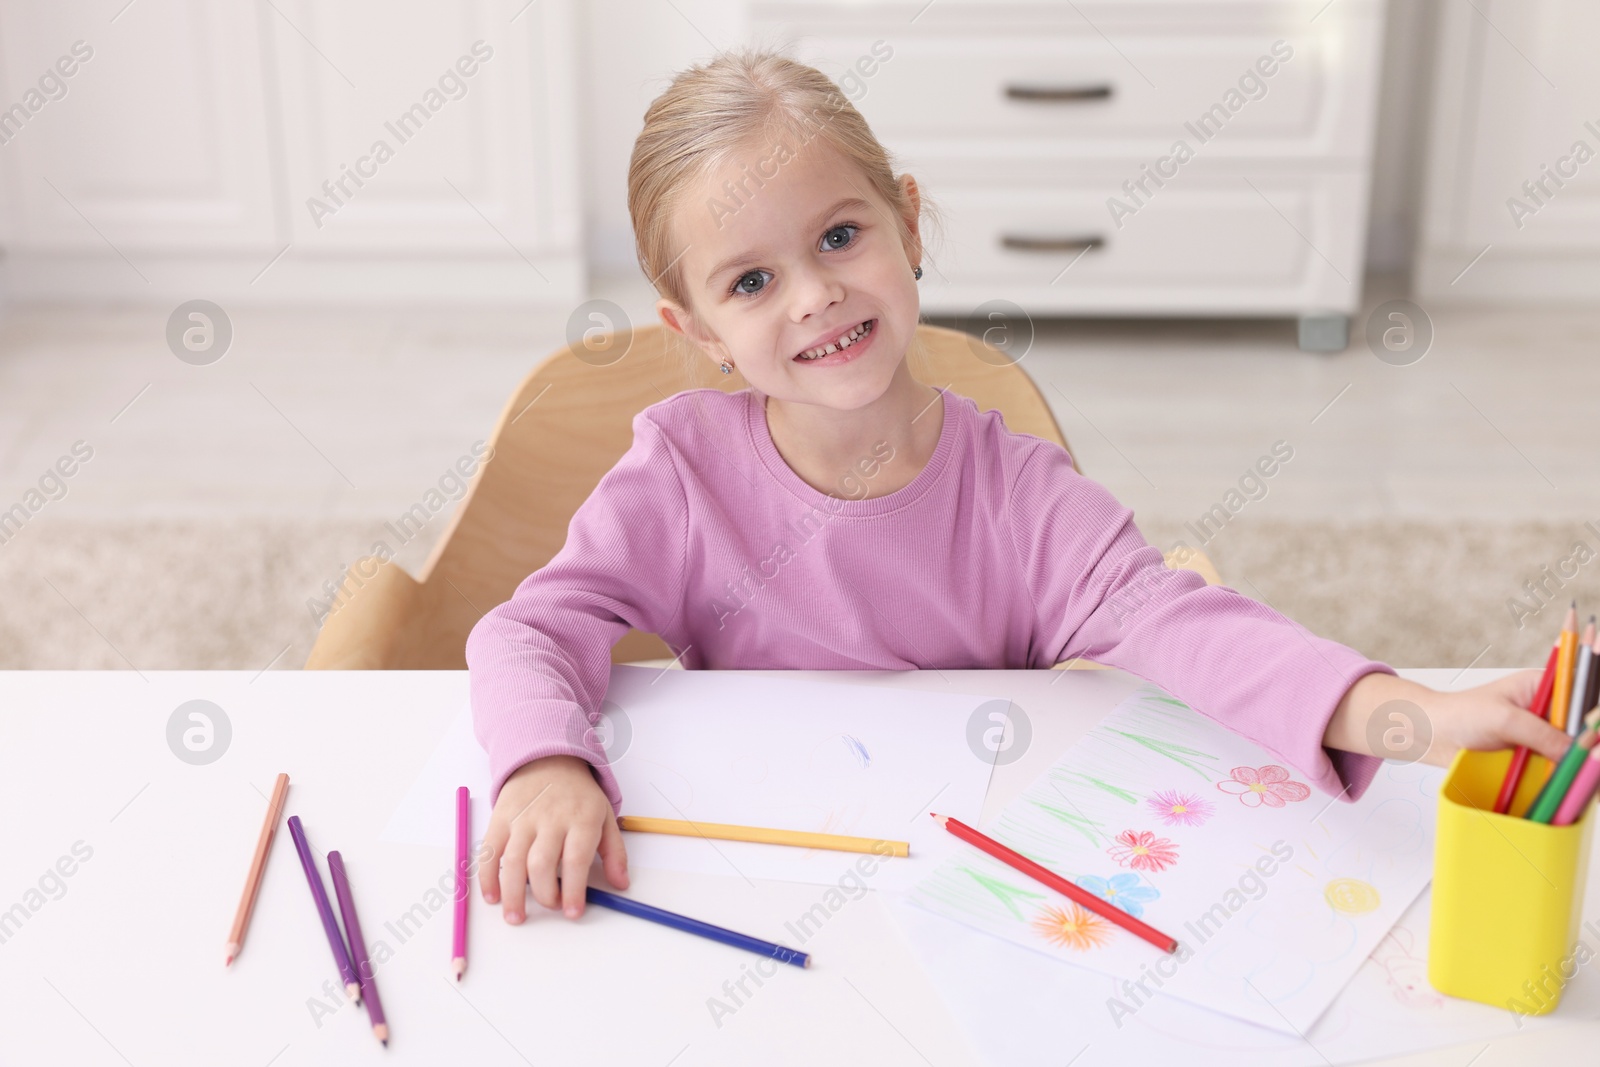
<point>207,594</point>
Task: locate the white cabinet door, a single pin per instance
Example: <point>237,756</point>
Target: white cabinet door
<point>1535,99</point>
<point>157,139</point>
<point>1512,204</point>
<point>426,127</point>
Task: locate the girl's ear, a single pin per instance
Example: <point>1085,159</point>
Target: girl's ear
<point>914,203</point>
<point>686,325</point>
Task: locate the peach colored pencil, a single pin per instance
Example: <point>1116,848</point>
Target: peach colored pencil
<point>258,867</point>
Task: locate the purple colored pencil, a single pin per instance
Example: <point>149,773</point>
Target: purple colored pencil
<point>319,894</point>
<point>458,956</point>
<point>358,947</point>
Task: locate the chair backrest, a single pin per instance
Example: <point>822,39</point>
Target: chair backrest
<point>572,419</point>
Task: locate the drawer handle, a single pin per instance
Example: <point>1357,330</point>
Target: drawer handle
<point>1058,93</point>
<point>1051,244</point>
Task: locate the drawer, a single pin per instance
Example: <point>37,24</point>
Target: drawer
<point>1044,84</point>
<point>1203,244</point>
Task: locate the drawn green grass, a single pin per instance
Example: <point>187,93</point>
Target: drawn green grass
<point>1169,750</point>
<point>1090,829</point>
<point>1004,892</point>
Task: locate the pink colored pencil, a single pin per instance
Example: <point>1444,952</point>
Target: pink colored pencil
<point>1580,792</point>
<point>458,960</point>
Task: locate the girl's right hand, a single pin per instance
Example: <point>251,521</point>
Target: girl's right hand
<point>550,812</point>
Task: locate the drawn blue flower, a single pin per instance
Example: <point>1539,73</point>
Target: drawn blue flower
<point>1123,890</point>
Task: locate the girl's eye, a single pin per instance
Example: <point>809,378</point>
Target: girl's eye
<point>740,288</point>
<point>828,238</point>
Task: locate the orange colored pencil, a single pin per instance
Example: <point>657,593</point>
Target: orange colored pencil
<point>1541,708</point>
<point>1050,878</point>
<point>1565,662</point>
<point>258,867</point>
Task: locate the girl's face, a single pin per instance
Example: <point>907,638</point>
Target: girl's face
<point>777,268</point>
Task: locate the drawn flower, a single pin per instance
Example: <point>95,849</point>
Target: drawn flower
<point>1181,809</point>
<point>1269,785</point>
<point>1072,927</point>
<point>1123,890</point>
<point>1143,851</point>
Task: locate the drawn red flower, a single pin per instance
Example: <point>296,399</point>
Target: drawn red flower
<point>1269,785</point>
<point>1143,851</point>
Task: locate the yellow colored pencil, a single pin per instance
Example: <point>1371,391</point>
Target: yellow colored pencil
<point>728,832</point>
<point>1566,662</point>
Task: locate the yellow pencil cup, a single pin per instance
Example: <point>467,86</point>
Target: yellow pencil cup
<point>1507,892</point>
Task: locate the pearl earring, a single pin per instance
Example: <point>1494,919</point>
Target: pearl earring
<point>727,368</point>
<point>916,272</point>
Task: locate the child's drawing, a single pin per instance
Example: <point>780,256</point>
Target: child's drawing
<point>1092,831</point>
<point>1143,851</point>
<point>1351,896</point>
<point>1280,909</point>
<point>1072,927</point>
<point>1269,786</point>
<point>1177,808</point>
<point>1406,972</point>
<point>839,756</point>
<point>1123,890</point>
<point>1003,891</point>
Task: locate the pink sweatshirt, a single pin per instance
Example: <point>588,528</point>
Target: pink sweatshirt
<point>998,555</point>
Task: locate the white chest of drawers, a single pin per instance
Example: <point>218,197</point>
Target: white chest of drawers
<point>1204,158</point>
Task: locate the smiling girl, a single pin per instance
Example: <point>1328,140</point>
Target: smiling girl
<point>782,243</point>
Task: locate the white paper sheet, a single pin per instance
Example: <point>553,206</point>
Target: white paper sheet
<point>1020,1008</point>
<point>1278,893</point>
<point>749,749</point>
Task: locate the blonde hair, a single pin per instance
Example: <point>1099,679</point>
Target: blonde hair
<point>711,111</point>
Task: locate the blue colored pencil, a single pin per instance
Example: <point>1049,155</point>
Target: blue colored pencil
<point>319,895</point>
<point>695,926</point>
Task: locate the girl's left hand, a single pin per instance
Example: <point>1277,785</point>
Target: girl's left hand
<point>1491,716</point>
<point>1387,716</point>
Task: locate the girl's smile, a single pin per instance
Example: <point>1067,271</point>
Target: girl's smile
<point>840,346</point>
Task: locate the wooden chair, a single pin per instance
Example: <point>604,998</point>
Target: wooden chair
<point>567,424</point>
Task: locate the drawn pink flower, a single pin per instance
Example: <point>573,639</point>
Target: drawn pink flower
<point>1181,809</point>
<point>1143,851</point>
<point>1269,785</point>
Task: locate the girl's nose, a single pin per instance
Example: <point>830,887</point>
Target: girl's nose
<point>812,290</point>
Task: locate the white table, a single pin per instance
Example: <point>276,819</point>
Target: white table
<point>121,962</point>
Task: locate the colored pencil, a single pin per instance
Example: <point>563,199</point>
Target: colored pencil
<point>1564,665</point>
<point>1554,791</point>
<point>358,947</point>
<point>1581,792</point>
<point>695,926</point>
<point>458,955</point>
<point>1592,696</point>
<point>1541,708</point>
<point>1580,681</point>
<point>258,867</point>
<point>319,896</point>
<point>728,832</point>
<point>1043,874</point>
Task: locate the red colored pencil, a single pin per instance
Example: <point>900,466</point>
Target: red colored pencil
<point>1541,708</point>
<point>1081,896</point>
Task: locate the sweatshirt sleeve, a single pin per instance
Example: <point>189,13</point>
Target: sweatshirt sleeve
<point>539,664</point>
<point>1103,593</point>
